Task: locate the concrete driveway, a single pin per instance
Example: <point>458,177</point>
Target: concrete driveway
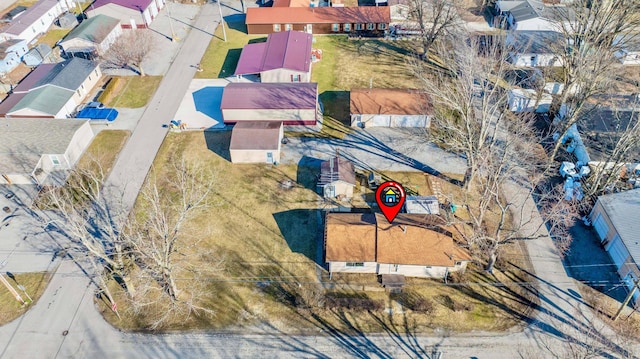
<point>380,149</point>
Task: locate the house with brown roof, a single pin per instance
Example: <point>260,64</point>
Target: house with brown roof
<point>256,142</point>
<point>359,21</point>
<point>285,57</point>
<point>290,103</point>
<point>337,178</point>
<point>389,108</point>
<point>414,245</point>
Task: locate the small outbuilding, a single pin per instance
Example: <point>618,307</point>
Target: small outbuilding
<point>68,20</point>
<point>39,54</point>
<point>389,108</point>
<point>256,142</point>
<point>337,178</point>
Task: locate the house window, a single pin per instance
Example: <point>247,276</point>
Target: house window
<point>54,159</point>
<point>371,26</point>
<point>382,26</point>
<point>295,78</point>
<point>276,27</point>
<point>355,264</point>
<point>335,27</point>
<point>359,26</point>
<point>287,27</point>
<point>347,27</point>
<point>78,92</point>
<point>42,21</point>
<point>89,77</point>
<point>33,29</point>
<point>458,263</point>
<point>394,268</point>
<point>96,72</point>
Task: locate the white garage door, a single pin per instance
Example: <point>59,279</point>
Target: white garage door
<point>601,227</point>
<point>618,251</point>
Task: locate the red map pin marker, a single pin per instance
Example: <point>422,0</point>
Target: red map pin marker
<point>390,197</point>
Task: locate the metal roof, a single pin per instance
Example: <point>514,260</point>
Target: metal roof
<point>269,96</point>
<point>623,209</point>
<point>256,135</point>
<point>337,169</point>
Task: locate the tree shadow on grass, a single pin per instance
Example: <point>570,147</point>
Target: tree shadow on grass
<point>308,172</point>
<point>230,63</point>
<point>336,105</point>
<point>218,142</point>
<point>301,229</point>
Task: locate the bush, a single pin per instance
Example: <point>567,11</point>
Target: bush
<point>457,277</point>
<point>353,303</point>
<point>462,306</point>
<point>309,296</point>
<point>416,302</point>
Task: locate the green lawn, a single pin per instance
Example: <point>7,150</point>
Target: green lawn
<point>221,58</point>
<point>52,36</point>
<point>34,284</point>
<point>130,91</point>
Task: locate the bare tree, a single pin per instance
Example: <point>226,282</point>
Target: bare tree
<point>434,18</point>
<point>595,31</point>
<point>131,49</point>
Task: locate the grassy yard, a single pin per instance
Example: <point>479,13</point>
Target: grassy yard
<point>52,36</point>
<point>267,238</point>
<point>104,150</point>
<point>130,91</point>
<point>34,284</point>
<point>220,58</point>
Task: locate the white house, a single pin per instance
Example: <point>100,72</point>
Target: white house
<point>376,107</point>
<point>256,142</point>
<point>11,51</point>
<point>529,100</point>
<point>525,15</point>
<point>415,245</point>
<point>36,20</point>
<point>92,37</point>
<point>615,220</point>
<point>131,13</point>
<point>535,48</point>
<point>39,150</point>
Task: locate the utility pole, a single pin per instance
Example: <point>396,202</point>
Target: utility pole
<point>626,301</point>
<point>224,32</point>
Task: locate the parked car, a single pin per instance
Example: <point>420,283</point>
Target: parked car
<point>94,104</point>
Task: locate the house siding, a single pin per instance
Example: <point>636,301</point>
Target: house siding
<point>79,142</point>
<point>124,14</point>
<point>534,60</point>
<point>376,120</point>
<point>307,116</point>
<point>341,267</point>
<point>39,26</point>
<point>599,210</point>
<point>284,75</point>
<point>318,29</point>
<point>78,45</point>
<point>419,271</point>
<point>341,188</point>
<point>253,156</point>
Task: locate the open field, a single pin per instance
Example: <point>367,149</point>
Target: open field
<point>34,284</point>
<point>130,91</point>
<point>256,252</point>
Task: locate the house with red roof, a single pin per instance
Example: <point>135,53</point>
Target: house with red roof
<point>290,103</point>
<point>131,13</point>
<point>285,57</point>
<point>358,21</point>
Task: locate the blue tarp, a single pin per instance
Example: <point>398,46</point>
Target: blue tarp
<point>108,114</point>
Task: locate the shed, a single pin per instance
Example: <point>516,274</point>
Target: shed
<point>39,54</point>
<point>68,20</point>
<point>285,57</point>
<point>40,151</point>
<point>389,108</point>
<point>337,178</point>
<point>422,204</point>
<point>11,51</point>
<point>256,142</point>
<point>290,103</point>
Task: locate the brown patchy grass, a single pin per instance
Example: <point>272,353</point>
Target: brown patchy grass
<point>266,238</point>
<point>34,284</point>
<point>627,326</point>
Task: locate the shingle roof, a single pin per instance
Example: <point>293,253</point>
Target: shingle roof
<point>255,135</point>
<point>47,100</point>
<point>69,74</point>
<point>283,50</point>
<point>40,51</point>
<point>601,128</point>
<point>275,96</point>
<point>33,78</point>
<point>317,15</point>
<point>523,9</point>
<point>139,5</point>
<point>24,140</point>
<point>389,101</point>
<point>342,170</point>
<point>93,29</point>
<point>623,209</point>
<point>33,13</point>
<point>350,237</point>
<point>537,42</point>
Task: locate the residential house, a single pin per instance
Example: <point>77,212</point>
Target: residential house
<point>535,48</point>
<point>389,108</point>
<point>38,54</point>
<point>530,92</point>
<point>399,9</point>
<point>422,204</point>
<point>36,20</point>
<point>525,15</point>
<point>360,21</point>
<point>41,151</point>
<point>13,13</point>
<point>615,220</point>
<point>629,53</point>
<point>285,57</point>
<point>92,37</point>
<point>414,245</point>
<point>131,13</point>
<point>337,178</point>
<point>52,90</point>
<point>290,103</point>
<point>256,142</point>
<point>11,51</point>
